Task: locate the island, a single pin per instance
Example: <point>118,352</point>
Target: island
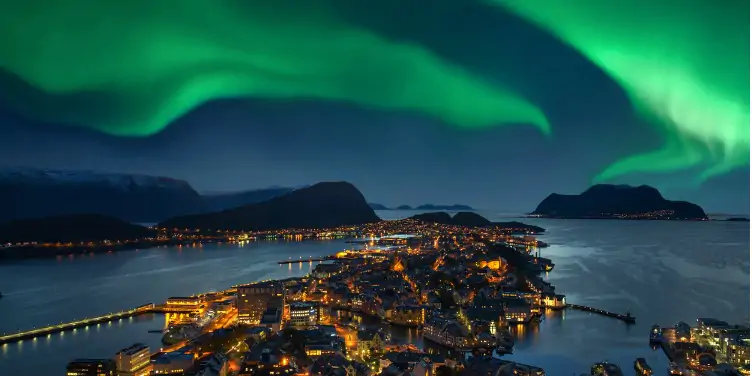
<point>605,201</point>
<point>737,219</point>
<point>471,219</point>
<point>453,207</point>
<point>327,204</point>
<point>376,206</point>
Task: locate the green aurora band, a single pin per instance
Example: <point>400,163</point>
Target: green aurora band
<point>683,63</point>
<point>155,60</point>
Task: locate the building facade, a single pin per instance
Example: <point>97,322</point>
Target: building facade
<point>91,367</point>
<point>133,360</point>
<point>252,300</point>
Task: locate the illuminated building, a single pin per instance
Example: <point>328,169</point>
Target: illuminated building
<point>303,314</point>
<point>407,316</point>
<point>254,299</point>
<point>91,367</point>
<point>172,363</point>
<point>317,350</point>
<point>445,332</point>
<point>369,342</point>
<point>133,360</point>
<point>554,301</point>
<point>184,303</point>
<point>683,332</point>
<point>517,311</point>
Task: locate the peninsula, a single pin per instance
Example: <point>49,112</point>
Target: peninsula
<point>604,201</point>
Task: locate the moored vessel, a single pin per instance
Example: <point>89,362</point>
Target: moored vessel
<point>673,369</point>
<point>656,334</point>
<point>605,369</point>
<point>642,367</point>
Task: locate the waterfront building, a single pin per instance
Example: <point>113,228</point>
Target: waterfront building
<point>709,326</point>
<point>172,363</point>
<point>181,303</point>
<point>303,314</point>
<point>554,301</point>
<point>736,350</point>
<point>446,332</point>
<point>91,367</point>
<point>517,311</point>
<point>133,360</point>
<point>253,299</point>
<point>682,332</point>
<point>407,315</point>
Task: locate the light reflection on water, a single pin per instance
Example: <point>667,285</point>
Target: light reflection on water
<point>663,272</point>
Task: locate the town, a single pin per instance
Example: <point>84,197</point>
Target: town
<point>463,289</point>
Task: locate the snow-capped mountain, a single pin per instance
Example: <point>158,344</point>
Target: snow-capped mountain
<point>32,193</point>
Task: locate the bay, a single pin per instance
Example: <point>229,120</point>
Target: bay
<point>662,271</point>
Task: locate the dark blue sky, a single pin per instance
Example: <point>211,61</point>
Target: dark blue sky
<point>399,158</point>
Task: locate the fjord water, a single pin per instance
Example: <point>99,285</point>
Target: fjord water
<point>663,271</point>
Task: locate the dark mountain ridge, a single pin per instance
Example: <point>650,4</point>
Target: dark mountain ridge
<point>223,201</point>
<point>27,193</point>
<point>322,205</point>
<point>74,228</point>
<point>618,202</point>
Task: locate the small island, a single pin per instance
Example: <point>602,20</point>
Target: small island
<point>453,207</point>
<point>605,201</point>
<point>737,219</point>
<point>473,220</point>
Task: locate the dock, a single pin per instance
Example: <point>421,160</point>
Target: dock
<point>62,327</point>
<point>315,259</point>
<point>628,318</point>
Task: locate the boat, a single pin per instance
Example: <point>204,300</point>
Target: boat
<point>673,369</point>
<point>656,334</point>
<point>605,369</point>
<point>642,367</point>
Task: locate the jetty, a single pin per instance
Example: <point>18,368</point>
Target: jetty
<point>314,259</point>
<point>627,318</point>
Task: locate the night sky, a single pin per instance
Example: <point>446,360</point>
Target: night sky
<point>492,103</point>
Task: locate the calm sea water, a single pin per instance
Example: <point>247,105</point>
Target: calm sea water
<point>663,272</point>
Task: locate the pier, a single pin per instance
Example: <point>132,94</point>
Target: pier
<point>315,259</point>
<point>39,332</point>
<point>628,318</point>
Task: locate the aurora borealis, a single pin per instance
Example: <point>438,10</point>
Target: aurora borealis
<point>157,60</point>
<point>684,64</point>
<point>621,91</point>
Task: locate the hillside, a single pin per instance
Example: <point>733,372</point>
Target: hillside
<point>74,228</point>
<point>321,205</point>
